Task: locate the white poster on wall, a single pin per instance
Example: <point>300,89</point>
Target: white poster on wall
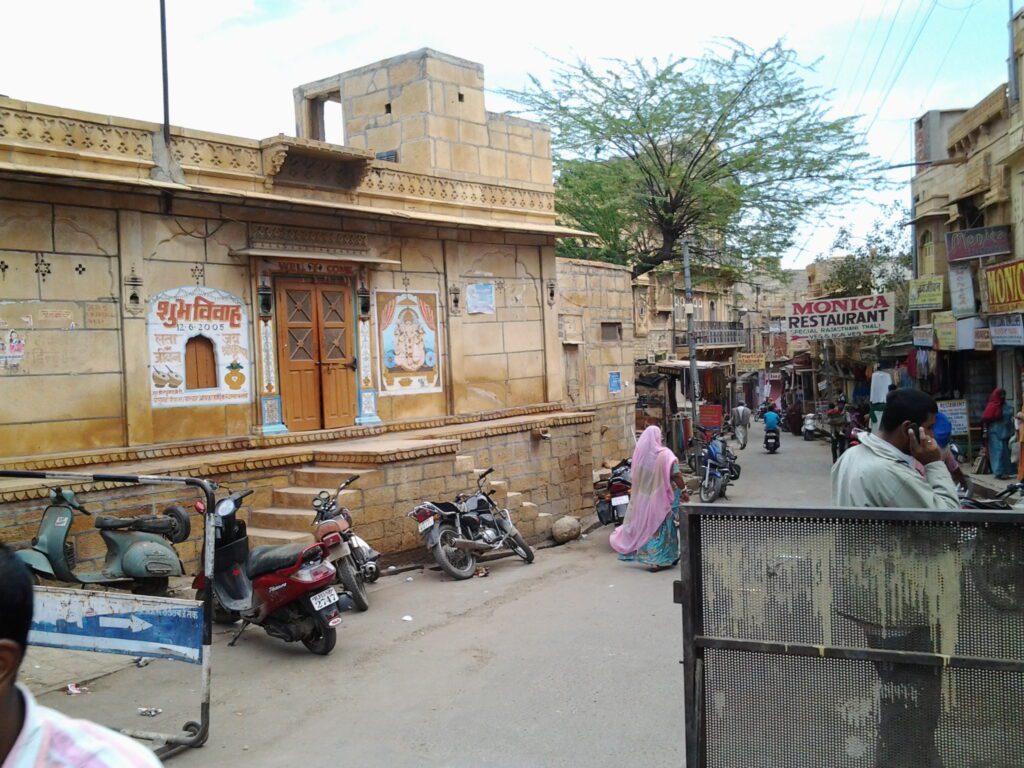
<point>961,290</point>
<point>198,348</point>
<point>480,298</point>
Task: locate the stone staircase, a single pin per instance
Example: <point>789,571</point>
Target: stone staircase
<point>371,499</point>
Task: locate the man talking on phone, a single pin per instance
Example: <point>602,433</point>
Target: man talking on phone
<point>898,466</point>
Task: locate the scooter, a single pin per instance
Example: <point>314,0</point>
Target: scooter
<point>139,556</point>
<point>810,427</point>
<point>771,440</point>
<point>354,560</point>
<point>287,590</point>
<point>612,506</point>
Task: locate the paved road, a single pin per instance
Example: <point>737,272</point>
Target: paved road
<point>573,660</point>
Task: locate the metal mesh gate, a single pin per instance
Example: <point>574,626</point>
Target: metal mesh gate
<point>853,638</point>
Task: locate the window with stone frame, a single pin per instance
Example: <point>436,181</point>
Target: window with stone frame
<point>926,254</point>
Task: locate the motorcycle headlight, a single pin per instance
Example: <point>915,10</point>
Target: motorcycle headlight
<point>225,507</point>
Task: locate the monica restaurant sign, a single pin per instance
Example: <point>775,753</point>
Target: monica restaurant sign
<point>1005,284</point>
<point>837,318</point>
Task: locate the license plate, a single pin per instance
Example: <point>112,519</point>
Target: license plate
<point>322,599</point>
<point>426,524</point>
<point>620,500</point>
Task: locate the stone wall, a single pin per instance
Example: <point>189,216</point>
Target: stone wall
<point>429,107</point>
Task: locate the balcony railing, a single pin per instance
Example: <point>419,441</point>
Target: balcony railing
<point>714,333</point>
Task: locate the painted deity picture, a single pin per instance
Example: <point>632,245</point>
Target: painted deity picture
<point>407,340</point>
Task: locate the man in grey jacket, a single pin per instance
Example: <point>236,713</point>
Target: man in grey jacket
<point>900,466</point>
<point>741,422</point>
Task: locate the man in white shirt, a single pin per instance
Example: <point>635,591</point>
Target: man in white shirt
<point>741,422</point>
<point>32,735</point>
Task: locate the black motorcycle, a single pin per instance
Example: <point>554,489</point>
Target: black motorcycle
<point>613,504</point>
<point>995,553</point>
<point>455,533</point>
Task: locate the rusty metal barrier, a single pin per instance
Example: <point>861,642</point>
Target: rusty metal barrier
<point>852,638</point>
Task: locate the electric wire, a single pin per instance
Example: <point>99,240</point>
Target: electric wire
<point>878,59</point>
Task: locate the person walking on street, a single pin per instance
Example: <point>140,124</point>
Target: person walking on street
<point>649,535</point>
<point>898,466</point>
<point>741,422</point>
<point>998,418</point>
<point>32,735</point>
<point>839,428</point>
<point>794,417</point>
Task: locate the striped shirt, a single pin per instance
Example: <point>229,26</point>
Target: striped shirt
<point>49,739</point>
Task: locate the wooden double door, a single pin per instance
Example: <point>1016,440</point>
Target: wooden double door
<point>316,350</point>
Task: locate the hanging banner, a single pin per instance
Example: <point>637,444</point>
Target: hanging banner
<point>961,290</point>
<point>924,336</point>
<point>480,298</point>
<point>750,361</point>
<point>1006,330</point>
<point>982,340</point>
<point>928,292</point>
<point>1005,284</point>
<point>978,243</point>
<point>945,330</point>
<point>710,416</point>
<point>837,318</point>
<point>407,342</point>
<point>218,361</point>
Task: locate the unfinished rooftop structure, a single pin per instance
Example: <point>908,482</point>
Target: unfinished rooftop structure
<point>425,111</point>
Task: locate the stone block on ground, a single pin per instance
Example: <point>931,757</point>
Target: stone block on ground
<point>528,511</point>
<point>543,523</point>
<point>565,528</point>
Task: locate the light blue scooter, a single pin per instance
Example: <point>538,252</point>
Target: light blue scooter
<point>140,555</point>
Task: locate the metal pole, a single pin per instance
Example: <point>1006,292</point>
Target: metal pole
<point>1014,86</point>
<point>163,54</point>
<point>691,336</point>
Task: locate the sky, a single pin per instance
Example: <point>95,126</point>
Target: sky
<point>233,63</point>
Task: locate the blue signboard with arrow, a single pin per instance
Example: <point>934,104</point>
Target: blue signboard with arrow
<point>113,622</point>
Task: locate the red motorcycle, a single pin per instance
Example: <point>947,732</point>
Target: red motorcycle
<point>287,590</point>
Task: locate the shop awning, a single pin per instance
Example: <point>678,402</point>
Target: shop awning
<point>674,367</point>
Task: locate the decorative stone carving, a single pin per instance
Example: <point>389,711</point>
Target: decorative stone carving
<point>389,181</point>
<point>65,133</point>
<point>312,240</point>
<point>215,156</point>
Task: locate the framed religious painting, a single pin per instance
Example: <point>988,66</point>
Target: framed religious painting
<point>408,342</point>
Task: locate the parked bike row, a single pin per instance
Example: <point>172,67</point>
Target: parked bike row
<point>295,592</point>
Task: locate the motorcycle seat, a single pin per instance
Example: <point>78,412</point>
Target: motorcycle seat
<point>272,558</point>
<point>151,524</point>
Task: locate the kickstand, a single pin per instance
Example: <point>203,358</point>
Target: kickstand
<point>238,634</point>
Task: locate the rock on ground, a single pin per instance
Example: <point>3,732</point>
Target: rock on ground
<point>566,529</point>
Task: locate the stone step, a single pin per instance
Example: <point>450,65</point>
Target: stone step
<point>513,500</point>
<point>464,465</point>
<point>528,511</point>
<point>543,523</point>
<point>500,487</point>
<point>258,537</point>
<point>327,478</point>
<point>283,519</point>
<point>300,497</point>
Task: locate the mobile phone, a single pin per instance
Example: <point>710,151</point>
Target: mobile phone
<point>916,429</point>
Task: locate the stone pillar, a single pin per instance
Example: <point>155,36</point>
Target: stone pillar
<point>554,369</point>
<point>134,338</point>
<point>367,392</point>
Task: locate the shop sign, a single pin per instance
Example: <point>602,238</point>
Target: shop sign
<point>961,290</point>
<point>978,243</point>
<point>982,340</point>
<point>924,336</point>
<point>180,314</point>
<point>945,330</point>
<point>956,412</point>
<point>1006,330</point>
<point>614,382</point>
<point>774,375</point>
<point>710,415</point>
<point>927,292</point>
<point>837,318</point>
<point>750,361</point>
<point>1005,284</point>
<point>775,326</point>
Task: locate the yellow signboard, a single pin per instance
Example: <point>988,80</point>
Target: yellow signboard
<point>750,361</point>
<point>928,292</point>
<point>945,330</point>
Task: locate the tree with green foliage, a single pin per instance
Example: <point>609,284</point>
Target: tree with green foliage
<point>878,262</point>
<point>730,151</point>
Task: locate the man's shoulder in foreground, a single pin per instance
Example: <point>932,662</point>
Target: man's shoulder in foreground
<point>52,739</point>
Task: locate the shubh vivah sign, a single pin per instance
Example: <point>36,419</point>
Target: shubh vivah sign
<point>838,318</point>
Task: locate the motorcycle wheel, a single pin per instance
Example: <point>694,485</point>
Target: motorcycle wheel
<point>518,544</point>
<point>734,471</point>
<point>996,568</point>
<point>457,563</point>
<point>182,525</point>
<point>710,489</point>
<point>322,641</point>
<point>221,615</point>
<point>352,582</point>
<point>150,587</point>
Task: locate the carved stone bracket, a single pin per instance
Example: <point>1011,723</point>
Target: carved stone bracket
<point>327,241</point>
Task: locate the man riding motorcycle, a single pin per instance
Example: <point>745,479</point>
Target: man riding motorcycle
<point>771,422</point>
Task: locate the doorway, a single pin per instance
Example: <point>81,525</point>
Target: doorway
<point>316,344</point>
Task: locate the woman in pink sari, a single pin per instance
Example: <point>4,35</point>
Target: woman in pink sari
<point>648,535</point>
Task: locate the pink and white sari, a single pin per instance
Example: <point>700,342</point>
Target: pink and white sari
<point>650,501</point>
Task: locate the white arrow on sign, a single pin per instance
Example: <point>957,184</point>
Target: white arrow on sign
<point>134,623</point>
